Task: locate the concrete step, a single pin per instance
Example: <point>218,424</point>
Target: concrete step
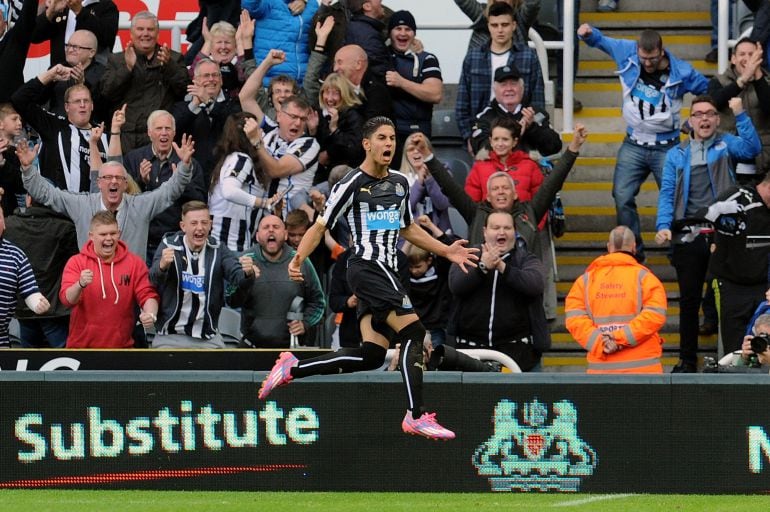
<point>660,19</point>
<point>690,45</point>
<point>602,92</point>
<point>600,194</point>
<point>588,6</point>
<point>603,219</point>
<point>564,342</point>
<point>592,240</point>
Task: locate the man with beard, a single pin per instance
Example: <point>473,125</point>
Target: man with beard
<point>267,301</point>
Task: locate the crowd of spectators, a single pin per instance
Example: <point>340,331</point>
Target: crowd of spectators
<point>172,185</point>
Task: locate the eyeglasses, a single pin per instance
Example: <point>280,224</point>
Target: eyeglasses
<point>111,177</point>
<point>651,60</point>
<point>295,117</point>
<point>74,47</point>
<point>701,115</point>
<point>209,75</point>
<point>81,101</point>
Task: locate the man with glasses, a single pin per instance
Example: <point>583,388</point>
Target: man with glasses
<point>287,155</point>
<point>79,51</point>
<point>61,17</point>
<point>695,173</point>
<point>133,212</point>
<point>653,82</point>
<point>203,112</point>
<point>65,158</point>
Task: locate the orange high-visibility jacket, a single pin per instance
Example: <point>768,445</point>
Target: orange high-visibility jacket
<point>617,295</point>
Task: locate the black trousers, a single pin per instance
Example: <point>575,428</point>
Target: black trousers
<point>736,304</point>
<point>691,262</point>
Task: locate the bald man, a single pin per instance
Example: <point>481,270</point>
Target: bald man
<point>615,310</point>
<point>351,62</point>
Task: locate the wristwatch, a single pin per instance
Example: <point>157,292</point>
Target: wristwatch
<point>482,267</point>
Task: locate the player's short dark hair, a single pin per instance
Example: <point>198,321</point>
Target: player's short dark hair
<point>193,206</point>
<point>650,40</point>
<point>374,123</point>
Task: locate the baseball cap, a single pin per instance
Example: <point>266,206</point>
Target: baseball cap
<point>506,72</point>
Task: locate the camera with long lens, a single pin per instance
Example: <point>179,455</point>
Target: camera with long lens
<point>759,343</point>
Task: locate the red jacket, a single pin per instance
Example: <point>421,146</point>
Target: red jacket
<point>104,315</point>
<point>525,172</point>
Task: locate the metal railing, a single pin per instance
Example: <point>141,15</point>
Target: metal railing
<point>481,354</point>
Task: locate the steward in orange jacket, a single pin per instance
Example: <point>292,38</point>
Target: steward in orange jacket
<point>615,310</point>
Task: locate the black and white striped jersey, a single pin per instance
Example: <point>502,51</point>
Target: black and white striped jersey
<point>304,149</point>
<point>231,202</point>
<point>375,209</point>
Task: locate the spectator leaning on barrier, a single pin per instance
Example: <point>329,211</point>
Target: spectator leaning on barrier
<point>616,309</point>
<point>695,173</point>
<point>190,271</point>
<point>499,305</point>
<point>103,284</point>
<point>654,82</point>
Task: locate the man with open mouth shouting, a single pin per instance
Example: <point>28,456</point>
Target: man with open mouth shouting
<point>375,202</point>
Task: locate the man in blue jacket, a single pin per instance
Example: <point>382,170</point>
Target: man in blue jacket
<point>695,173</point>
<point>653,83</point>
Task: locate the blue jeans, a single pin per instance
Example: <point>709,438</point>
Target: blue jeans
<point>44,332</point>
<point>634,164</point>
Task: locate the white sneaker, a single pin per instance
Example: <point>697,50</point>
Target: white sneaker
<point>608,5</point>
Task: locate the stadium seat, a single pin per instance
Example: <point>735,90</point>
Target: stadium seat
<point>459,226</point>
<point>459,170</point>
<point>230,325</point>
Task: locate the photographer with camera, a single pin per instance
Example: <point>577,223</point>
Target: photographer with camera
<point>755,349</point>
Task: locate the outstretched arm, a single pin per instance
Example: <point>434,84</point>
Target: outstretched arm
<point>456,253</point>
<point>307,245</point>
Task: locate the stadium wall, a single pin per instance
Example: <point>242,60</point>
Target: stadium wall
<point>561,433</point>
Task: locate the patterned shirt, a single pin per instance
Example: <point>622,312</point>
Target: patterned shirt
<point>473,89</point>
<point>16,276</point>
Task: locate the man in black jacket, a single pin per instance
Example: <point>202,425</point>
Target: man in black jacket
<point>14,45</point>
<point>97,16</point>
<point>48,239</point>
<point>499,304</point>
